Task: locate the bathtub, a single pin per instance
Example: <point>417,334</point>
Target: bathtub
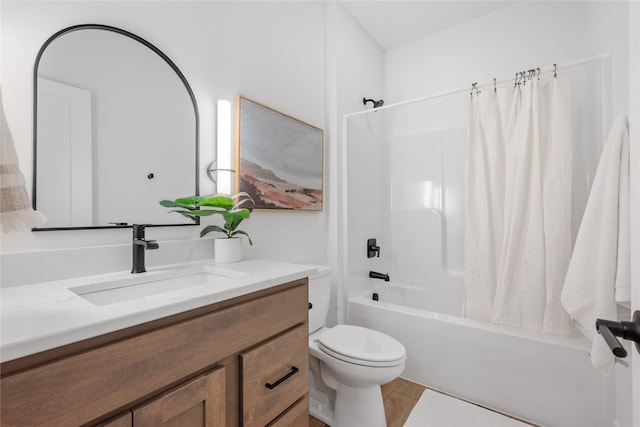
<point>542,379</point>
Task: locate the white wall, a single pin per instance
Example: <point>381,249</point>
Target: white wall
<point>272,52</point>
<point>360,74</point>
<point>525,35</point>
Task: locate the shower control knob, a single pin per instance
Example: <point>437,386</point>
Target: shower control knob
<point>372,248</point>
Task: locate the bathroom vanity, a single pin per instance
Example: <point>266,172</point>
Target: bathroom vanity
<point>241,360</point>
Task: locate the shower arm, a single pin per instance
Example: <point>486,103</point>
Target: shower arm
<point>376,104</point>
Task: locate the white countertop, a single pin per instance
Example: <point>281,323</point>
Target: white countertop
<point>46,315</point>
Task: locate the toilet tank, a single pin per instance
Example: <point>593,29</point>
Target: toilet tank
<point>319,297</point>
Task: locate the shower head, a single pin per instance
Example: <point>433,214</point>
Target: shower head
<point>376,104</point>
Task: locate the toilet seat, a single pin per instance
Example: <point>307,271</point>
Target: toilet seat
<point>362,346</point>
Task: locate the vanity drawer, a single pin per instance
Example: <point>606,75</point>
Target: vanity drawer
<point>297,415</point>
<point>274,376</point>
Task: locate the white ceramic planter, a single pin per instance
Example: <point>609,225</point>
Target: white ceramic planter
<point>228,250</point>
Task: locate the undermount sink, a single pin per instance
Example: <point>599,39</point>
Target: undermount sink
<point>153,283</point>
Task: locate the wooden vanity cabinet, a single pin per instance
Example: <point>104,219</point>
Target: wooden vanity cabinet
<point>213,366</point>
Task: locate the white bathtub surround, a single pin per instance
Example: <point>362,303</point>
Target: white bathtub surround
<point>42,316</point>
<point>536,162</point>
<point>536,377</point>
<point>437,409</point>
<point>599,272</point>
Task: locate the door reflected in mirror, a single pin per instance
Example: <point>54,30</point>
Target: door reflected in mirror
<point>116,131</point>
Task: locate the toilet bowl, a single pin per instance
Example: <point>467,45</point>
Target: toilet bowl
<point>354,361</point>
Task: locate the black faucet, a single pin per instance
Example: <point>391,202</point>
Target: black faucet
<point>140,245</point>
<point>376,275</point>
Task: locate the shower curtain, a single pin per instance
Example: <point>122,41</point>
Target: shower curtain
<point>518,206</point>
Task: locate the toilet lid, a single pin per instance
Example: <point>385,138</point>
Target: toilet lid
<point>362,346</point>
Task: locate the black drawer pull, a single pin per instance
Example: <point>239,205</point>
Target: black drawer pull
<point>283,379</point>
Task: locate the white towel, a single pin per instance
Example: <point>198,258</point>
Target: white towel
<point>16,213</point>
<point>600,264</point>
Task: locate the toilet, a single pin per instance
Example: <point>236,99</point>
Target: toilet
<point>348,364</point>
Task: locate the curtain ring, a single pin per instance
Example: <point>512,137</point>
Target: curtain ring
<point>538,70</point>
<point>555,71</point>
<point>494,85</point>
<point>474,87</point>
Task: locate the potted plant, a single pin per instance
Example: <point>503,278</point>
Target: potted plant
<point>233,210</point>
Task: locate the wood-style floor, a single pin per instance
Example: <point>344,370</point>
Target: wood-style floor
<point>400,396</point>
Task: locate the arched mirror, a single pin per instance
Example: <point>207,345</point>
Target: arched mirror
<point>115,131</point>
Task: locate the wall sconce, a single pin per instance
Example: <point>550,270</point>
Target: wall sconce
<point>219,171</point>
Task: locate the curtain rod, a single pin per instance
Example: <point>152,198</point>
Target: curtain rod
<point>555,67</point>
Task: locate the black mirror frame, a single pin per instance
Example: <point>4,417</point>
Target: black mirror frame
<point>169,62</point>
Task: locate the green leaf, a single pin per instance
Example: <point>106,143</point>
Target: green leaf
<point>186,214</point>
<point>239,213</point>
<point>204,212</point>
<point>218,201</point>
<point>209,228</point>
<point>234,218</point>
<point>193,200</point>
<point>241,232</point>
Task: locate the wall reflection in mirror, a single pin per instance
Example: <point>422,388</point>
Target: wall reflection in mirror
<point>116,131</point>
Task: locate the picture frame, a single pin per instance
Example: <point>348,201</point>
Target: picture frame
<point>279,159</point>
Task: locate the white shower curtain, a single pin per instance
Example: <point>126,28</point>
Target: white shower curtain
<point>484,200</point>
<point>518,231</point>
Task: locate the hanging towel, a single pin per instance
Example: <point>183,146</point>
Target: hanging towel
<point>600,264</point>
<point>16,213</point>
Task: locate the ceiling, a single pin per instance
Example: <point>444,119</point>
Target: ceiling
<point>392,23</point>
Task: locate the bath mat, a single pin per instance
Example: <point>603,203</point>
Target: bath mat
<point>437,409</point>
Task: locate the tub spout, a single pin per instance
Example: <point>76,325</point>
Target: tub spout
<point>376,275</point>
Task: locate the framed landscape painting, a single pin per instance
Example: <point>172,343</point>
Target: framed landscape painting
<point>279,159</point>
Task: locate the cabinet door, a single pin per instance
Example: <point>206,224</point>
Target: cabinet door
<point>199,402</point>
